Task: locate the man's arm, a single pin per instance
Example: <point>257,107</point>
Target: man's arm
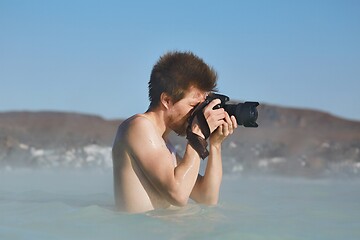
<point>151,154</point>
<point>207,187</point>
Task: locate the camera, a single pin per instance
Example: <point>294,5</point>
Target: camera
<point>245,113</point>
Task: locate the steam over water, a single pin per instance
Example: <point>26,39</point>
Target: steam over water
<point>49,204</point>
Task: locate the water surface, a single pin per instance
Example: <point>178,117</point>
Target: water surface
<point>80,205</point>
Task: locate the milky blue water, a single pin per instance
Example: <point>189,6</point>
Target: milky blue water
<point>79,205</point>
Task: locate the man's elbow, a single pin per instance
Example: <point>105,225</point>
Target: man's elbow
<point>178,196</point>
<point>209,200</point>
<point>179,199</point>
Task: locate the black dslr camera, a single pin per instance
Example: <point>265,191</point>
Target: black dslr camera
<point>245,113</point>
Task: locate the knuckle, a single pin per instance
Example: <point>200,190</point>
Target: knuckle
<point>216,101</point>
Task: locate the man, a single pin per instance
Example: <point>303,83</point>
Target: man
<point>148,174</point>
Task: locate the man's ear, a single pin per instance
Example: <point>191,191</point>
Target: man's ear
<point>166,100</point>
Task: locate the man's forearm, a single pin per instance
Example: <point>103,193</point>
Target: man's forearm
<point>207,187</point>
<point>186,172</point>
<point>213,174</point>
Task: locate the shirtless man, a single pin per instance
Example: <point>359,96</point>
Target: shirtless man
<point>148,174</point>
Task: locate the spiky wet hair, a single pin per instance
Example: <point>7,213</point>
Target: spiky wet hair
<point>175,72</point>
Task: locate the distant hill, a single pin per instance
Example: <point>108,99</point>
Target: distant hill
<point>55,129</point>
<point>288,141</point>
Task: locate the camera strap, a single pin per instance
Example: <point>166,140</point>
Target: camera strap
<point>203,125</point>
<point>197,142</point>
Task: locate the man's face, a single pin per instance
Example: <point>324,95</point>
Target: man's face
<point>181,110</point>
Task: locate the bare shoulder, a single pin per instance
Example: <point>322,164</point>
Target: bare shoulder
<point>131,135</point>
<point>133,123</point>
<point>142,138</point>
<point>140,124</point>
<point>136,128</point>
<point>140,120</point>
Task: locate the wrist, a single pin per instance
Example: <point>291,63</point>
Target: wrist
<point>198,143</point>
<point>215,146</point>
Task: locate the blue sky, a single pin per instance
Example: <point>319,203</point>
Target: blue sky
<point>96,56</point>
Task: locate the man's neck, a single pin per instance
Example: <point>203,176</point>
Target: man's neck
<point>158,119</point>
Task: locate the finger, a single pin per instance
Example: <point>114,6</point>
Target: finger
<point>226,129</point>
<point>227,119</point>
<point>214,115</point>
<point>221,127</point>
<point>234,122</point>
<point>213,103</point>
<point>218,114</point>
<point>217,130</point>
<point>221,122</point>
<point>228,124</point>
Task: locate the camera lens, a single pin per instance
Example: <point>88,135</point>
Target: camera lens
<point>253,113</point>
<point>245,113</point>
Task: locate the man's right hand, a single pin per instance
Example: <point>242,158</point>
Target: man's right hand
<point>214,117</point>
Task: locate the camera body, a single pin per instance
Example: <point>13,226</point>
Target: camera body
<point>245,113</point>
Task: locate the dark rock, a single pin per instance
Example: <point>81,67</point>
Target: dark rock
<point>288,141</point>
